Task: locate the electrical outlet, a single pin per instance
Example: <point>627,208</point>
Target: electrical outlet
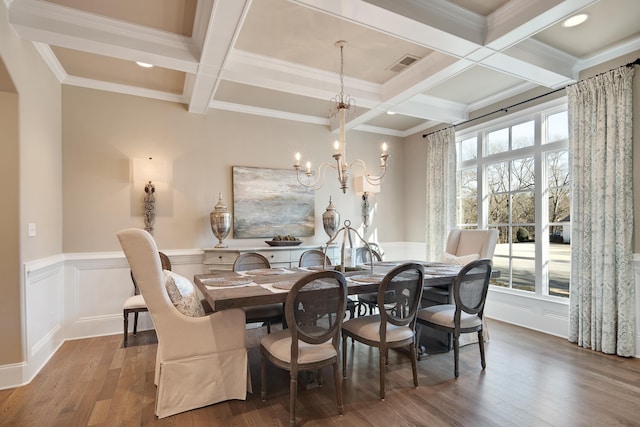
<point>31,229</point>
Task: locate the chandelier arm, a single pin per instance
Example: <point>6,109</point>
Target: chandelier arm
<point>371,179</point>
<point>318,183</point>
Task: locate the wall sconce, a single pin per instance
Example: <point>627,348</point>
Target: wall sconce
<point>149,170</point>
<point>362,185</point>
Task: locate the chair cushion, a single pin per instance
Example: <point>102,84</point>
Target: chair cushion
<point>368,327</point>
<point>459,260</point>
<point>278,344</point>
<point>443,315</point>
<point>182,294</point>
<point>134,302</point>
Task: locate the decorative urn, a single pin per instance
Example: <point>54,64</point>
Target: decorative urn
<point>220,222</point>
<point>331,219</point>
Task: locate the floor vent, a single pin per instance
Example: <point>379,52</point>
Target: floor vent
<point>403,63</point>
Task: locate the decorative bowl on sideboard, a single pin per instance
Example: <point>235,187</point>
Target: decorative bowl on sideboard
<point>283,242</point>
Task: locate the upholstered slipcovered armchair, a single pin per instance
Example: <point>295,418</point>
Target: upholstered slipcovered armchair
<point>201,360</point>
<point>470,243</point>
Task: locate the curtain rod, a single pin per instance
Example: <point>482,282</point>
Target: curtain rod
<point>506,109</point>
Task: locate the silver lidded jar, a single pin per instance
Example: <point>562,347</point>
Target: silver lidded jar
<point>220,222</point>
<point>331,219</point>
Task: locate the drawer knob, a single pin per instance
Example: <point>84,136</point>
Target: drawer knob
<point>219,256</point>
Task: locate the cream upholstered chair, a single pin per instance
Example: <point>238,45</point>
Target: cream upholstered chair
<point>135,304</point>
<point>200,360</point>
<point>395,325</point>
<point>463,246</point>
<point>470,293</point>
<point>468,243</point>
<point>314,309</point>
<point>267,313</point>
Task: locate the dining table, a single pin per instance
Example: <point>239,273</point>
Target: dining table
<point>225,289</point>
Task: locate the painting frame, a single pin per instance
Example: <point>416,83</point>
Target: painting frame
<point>269,202</point>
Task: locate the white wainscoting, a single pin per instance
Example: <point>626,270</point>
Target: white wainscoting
<point>97,286</point>
<point>42,319</point>
<point>75,296</point>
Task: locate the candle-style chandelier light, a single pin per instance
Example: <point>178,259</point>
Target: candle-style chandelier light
<point>341,105</point>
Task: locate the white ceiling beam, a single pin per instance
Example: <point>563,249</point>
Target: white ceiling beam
<point>443,26</point>
<point>384,20</point>
<point>50,23</point>
<point>222,29</point>
<point>518,20</point>
<point>261,71</point>
<point>441,15</point>
<point>433,108</point>
<point>428,72</point>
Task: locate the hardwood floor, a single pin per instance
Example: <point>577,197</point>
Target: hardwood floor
<point>532,379</point>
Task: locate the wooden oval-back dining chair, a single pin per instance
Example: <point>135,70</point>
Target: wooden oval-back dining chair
<point>367,303</point>
<point>250,261</point>
<point>135,304</point>
<point>469,293</point>
<point>314,310</point>
<point>267,313</point>
<point>314,258</point>
<point>395,326</point>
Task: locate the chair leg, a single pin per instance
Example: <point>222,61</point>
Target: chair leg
<point>336,378</point>
<point>383,363</point>
<point>126,326</point>
<point>344,355</point>
<point>456,351</point>
<point>293,394</point>
<point>135,323</point>
<point>414,365</point>
<point>268,326</point>
<point>263,378</point>
<point>481,344</point>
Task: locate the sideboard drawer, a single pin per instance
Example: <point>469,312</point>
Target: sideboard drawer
<point>221,258</point>
<point>276,256</point>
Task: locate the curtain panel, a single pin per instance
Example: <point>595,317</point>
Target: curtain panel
<point>602,295</point>
<point>441,191</point>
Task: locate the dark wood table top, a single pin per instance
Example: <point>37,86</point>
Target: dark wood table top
<point>223,289</point>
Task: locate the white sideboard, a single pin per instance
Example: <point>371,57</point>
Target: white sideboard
<point>278,256</point>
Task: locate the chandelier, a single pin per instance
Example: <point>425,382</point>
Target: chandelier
<point>341,105</point>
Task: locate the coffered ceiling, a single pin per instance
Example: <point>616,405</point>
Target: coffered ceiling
<point>278,57</point>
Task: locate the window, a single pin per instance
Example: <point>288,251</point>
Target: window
<point>513,176</point>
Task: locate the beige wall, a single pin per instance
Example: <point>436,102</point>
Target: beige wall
<point>9,219</point>
<point>415,147</point>
<point>103,131</point>
<point>34,192</point>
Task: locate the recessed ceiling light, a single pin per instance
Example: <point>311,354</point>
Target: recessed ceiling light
<point>144,64</point>
<point>391,113</point>
<point>575,20</point>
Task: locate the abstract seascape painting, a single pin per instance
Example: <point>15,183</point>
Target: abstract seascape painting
<point>271,202</point>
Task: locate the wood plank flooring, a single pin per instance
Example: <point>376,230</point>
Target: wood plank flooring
<point>532,379</point>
